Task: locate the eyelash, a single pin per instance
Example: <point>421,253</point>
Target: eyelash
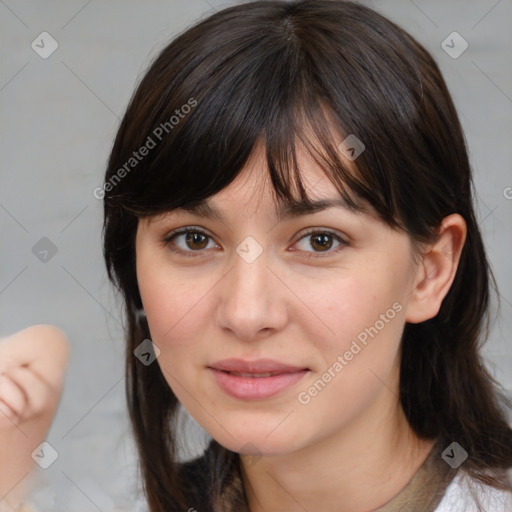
<point>313,231</point>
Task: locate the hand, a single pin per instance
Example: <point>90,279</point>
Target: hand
<point>33,363</point>
<point>32,368</point>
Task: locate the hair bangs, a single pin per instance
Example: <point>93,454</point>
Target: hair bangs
<point>307,124</point>
<point>201,148</point>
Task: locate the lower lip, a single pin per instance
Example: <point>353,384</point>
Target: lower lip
<point>254,388</point>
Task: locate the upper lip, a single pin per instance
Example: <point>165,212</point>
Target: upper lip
<point>257,366</point>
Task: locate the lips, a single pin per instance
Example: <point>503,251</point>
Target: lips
<point>255,368</point>
<point>252,375</point>
<point>253,380</point>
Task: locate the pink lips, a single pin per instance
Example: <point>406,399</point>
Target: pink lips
<point>258,379</point>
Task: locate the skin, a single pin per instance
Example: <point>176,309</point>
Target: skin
<point>350,444</point>
<point>33,363</point>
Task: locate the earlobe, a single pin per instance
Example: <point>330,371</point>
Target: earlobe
<point>436,272</point>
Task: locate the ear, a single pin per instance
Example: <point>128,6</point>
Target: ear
<point>436,272</point>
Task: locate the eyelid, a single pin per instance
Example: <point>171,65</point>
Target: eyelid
<point>167,239</point>
<point>302,234</point>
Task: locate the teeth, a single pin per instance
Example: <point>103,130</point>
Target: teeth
<point>252,375</point>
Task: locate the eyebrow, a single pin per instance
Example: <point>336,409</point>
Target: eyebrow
<point>286,211</point>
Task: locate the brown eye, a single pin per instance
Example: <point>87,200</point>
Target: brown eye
<point>188,241</point>
<point>321,241</point>
<point>196,240</point>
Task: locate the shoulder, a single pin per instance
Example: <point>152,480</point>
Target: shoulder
<point>466,493</point>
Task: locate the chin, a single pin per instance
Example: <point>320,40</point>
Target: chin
<point>256,442</point>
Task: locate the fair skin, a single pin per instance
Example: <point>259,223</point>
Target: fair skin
<point>350,444</point>
<point>33,362</point>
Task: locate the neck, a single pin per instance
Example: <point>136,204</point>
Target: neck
<point>361,467</point>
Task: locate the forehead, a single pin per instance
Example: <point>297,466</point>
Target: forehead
<point>253,185</point>
<point>285,210</point>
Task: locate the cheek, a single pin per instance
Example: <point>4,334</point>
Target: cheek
<point>364,303</point>
<point>365,317</point>
<point>167,302</point>
<point>175,305</point>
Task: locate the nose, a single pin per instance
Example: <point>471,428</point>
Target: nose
<point>253,299</point>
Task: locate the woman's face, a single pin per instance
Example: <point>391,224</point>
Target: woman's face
<point>252,286</point>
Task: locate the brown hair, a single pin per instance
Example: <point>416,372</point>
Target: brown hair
<point>272,71</point>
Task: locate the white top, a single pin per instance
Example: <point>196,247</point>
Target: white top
<point>459,497</point>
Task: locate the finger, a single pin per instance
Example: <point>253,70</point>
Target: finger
<point>37,392</point>
<point>13,399</point>
<point>7,414</point>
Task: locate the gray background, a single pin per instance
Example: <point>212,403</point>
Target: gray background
<point>59,116</point>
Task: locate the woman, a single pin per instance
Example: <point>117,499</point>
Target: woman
<point>289,219</point>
